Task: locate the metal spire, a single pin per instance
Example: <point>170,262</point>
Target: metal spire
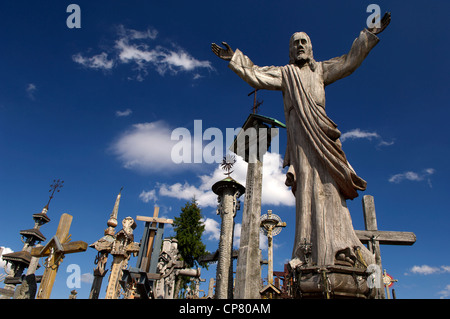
<point>55,187</point>
<point>112,221</point>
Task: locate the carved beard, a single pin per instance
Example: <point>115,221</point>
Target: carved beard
<point>309,60</point>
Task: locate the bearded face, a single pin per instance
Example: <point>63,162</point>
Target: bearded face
<point>300,48</point>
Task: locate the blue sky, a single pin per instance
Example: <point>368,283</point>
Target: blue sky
<point>96,107</point>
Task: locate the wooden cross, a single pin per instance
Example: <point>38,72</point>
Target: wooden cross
<point>388,281</point>
<point>122,249</point>
<point>270,224</point>
<point>152,237</point>
<point>256,104</point>
<point>55,249</point>
<point>137,279</point>
<point>374,237</point>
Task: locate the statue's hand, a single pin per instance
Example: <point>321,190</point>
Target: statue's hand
<point>383,23</point>
<point>224,54</point>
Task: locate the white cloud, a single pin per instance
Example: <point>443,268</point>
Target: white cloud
<point>384,143</point>
<point>183,60</point>
<point>445,293</point>
<point>274,191</point>
<point>424,270</point>
<point>413,176</point>
<point>237,235</point>
<point>360,134</point>
<point>429,270</point>
<point>134,34</point>
<point>98,62</point>
<point>237,238</point>
<point>212,228</point>
<point>445,268</point>
<point>148,196</point>
<point>357,134</point>
<point>146,147</point>
<point>263,242</point>
<point>137,48</point>
<point>87,278</point>
<point>127,112</point>
<point>4,251</point>
<point>186,191</point>
<point>31,89</point>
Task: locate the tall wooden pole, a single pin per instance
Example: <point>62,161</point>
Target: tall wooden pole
<point>112,290</point>
<point>270,255</point>
<point>151,239</point>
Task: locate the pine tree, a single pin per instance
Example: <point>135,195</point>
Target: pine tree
<point>189,229</point>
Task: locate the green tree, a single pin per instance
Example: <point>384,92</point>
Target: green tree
<point>189,229</point>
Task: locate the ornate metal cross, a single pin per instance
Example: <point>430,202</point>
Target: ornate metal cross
<point>227,164</point>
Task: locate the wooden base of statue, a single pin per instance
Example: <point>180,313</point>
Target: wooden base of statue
<point>331,282</point>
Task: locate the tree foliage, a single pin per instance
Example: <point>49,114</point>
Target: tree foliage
<point>189,229</point>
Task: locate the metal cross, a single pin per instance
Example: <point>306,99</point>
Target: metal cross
<point>256,104</point>
<point>56,186</point>
<point>227,164</point>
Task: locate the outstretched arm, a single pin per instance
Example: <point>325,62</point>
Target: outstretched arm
<point>340,67</point>
<point>268,77</point>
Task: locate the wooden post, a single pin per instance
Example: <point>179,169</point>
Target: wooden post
<point>104,247</point>
<point>55,249</point>
<point>122,249</point>
<point>370,222</point>
<point>112,289</point>
<point>151,238</point>
<point>272,225</point>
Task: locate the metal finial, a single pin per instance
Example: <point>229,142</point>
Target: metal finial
<point>227,164</point>
<point>55,187</point>
<point>112,222</point>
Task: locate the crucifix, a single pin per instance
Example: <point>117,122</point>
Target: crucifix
<point>104,246</point>
<point>139,279</point>
<point>122,249</point>
<point>374,237</point>
<point>388,281</point>
<point>256,104</point>
<point>55,250</point>
<point>271,225</point>
<point>151,241</point>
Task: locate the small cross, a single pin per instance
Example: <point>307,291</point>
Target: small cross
<point>56,186</point>
<point>256,104</point>
<point>388,282</point>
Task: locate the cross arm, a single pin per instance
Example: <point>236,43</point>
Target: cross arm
<point>386,237</point>
<point>154,219</point>
<point>67,248</point>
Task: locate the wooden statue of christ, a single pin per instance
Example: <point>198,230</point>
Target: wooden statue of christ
<point>319,174</point>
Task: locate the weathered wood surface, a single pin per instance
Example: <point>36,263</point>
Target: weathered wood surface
<point>67,248</point>
<point>55,249</point>
<point>154,219</point>
<point>386,237</point>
